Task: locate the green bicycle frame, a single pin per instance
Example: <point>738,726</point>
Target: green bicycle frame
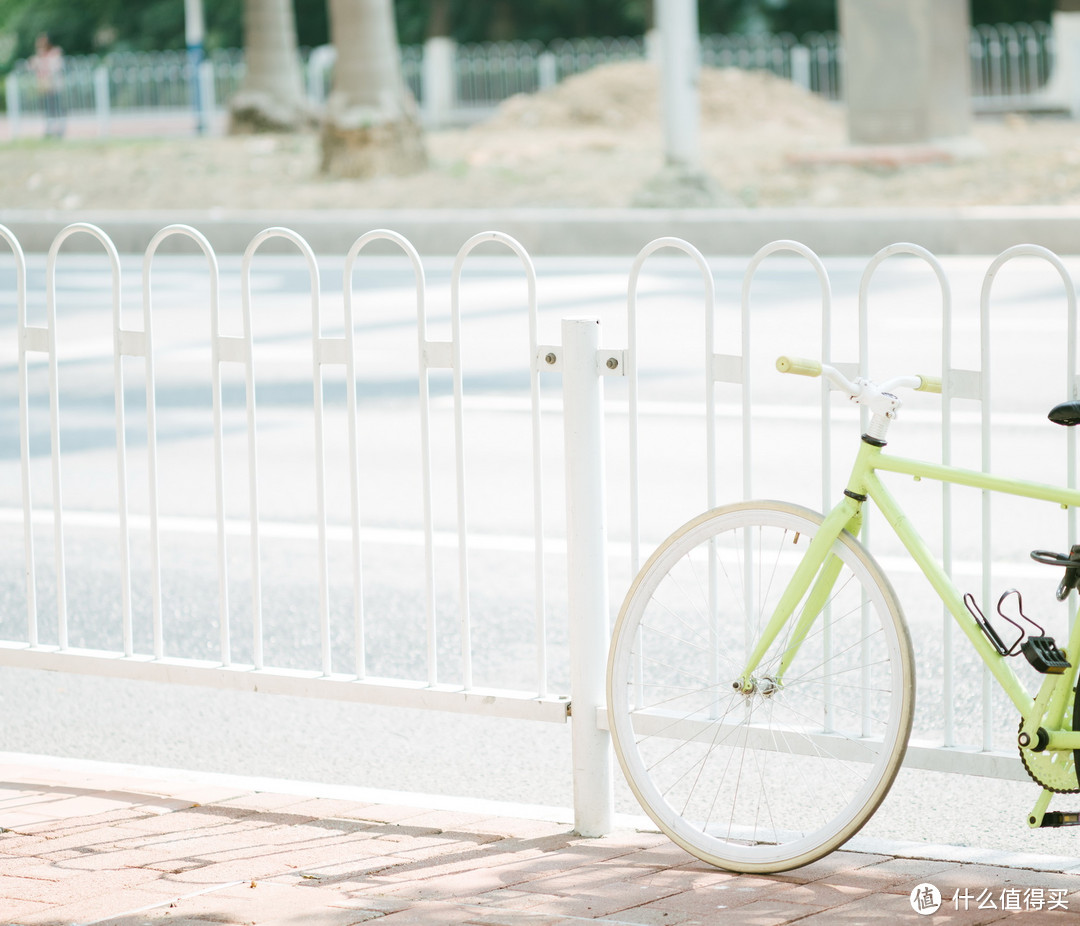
<point>815,574</point>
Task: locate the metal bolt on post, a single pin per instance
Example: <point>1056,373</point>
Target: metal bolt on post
<point>586,530</point>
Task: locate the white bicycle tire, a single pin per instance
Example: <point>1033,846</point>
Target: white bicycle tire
<point>885,634</point>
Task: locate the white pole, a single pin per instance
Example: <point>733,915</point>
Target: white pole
<point>194,30</point>
<point>680,57</point>
<point>101,99</point>
<point>438,82</point>
<point>587,589</point>
<point>11,89</point>
<point>547,70</point>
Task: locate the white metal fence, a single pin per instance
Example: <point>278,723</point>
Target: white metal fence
<point>1011,65</point>
<point>742,417</point>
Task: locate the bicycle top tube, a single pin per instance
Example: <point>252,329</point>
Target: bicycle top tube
<point>879,398</point>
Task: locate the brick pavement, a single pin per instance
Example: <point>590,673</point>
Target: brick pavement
<point>80,844</point>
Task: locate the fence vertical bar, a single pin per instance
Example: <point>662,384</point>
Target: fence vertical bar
<point>11,93</point>
<point>147,352</point>
<point>253,467</point>
<point>587,586</point>
<point>24,434</point>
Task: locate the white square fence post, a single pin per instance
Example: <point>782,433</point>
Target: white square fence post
<point>587,586</point>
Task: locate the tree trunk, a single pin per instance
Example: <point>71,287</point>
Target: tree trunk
<point>371,125</point>
<point>271,98</point>
<point>438,23</point>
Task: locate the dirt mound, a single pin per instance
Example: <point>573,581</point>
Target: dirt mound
<point>626,95</point>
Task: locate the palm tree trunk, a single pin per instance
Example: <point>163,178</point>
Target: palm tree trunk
<point>371,124</point>
<point>271,98</point>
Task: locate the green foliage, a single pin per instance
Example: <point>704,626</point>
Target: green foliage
<point>1011,11</point>
<point>88,26</point>
<point>802,16</point>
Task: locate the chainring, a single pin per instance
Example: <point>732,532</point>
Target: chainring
<point>1054,770</point>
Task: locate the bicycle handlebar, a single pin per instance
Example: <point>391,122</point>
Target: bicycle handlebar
<point>800,366</point>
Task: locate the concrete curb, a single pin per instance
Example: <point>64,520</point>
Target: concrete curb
<point>593,232</point>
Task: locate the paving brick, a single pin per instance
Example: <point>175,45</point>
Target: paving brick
<point>259,867</point>
<point>588,877</point>
<point>80,841</point>
<point>434,914</point>
<point>388,813</point>
<point>825,894</point>
<point>738,892</point>
<point>629,893</point>
<point>508,827</point>
<point>45,827</point>
<point>1041,917</point>
<point>650,915</point>
<point>506,898</point>
<point>447,819</point>
<point>589,905</point>
<point>761,913</point>
<point>194,818</point>
<point>511,918</point>
<point>31,867</point>
<point>321,807</point>
<point>266,903</point>
<point>343,872</point>
<point>85,885</point>
<point>404,840</point>
<point>263,800</point>
<point>200,794</point>
<point>92,909</point>
<point>12,910</point>
<point>890,908</point>
<point>315,829</point>
<point>533,859</point>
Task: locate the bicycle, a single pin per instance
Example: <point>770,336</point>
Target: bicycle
<point>760,676</point>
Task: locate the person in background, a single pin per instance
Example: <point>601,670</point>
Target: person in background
<point>47,66</point>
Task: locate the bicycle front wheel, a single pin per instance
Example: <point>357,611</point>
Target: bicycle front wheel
<point>780,775</point>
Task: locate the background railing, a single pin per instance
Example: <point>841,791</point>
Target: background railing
<point>1011,67</point>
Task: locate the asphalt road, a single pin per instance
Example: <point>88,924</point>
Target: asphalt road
<point>409,750</point>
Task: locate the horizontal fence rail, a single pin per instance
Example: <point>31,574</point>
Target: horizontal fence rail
<point>735,413</point>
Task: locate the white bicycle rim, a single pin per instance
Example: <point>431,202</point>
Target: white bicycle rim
<point>782,776</point>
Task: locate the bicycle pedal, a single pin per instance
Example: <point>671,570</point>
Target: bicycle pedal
<point>1045,657</point>
<point>1061,818</point>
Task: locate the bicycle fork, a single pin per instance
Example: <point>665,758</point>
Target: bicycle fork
<point>819,566</point>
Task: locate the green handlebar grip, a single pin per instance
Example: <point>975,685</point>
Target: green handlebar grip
<point>798,366</point>
<point>929,384</point>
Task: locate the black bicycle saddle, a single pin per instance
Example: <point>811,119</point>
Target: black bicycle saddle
<point>1066,413</point>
